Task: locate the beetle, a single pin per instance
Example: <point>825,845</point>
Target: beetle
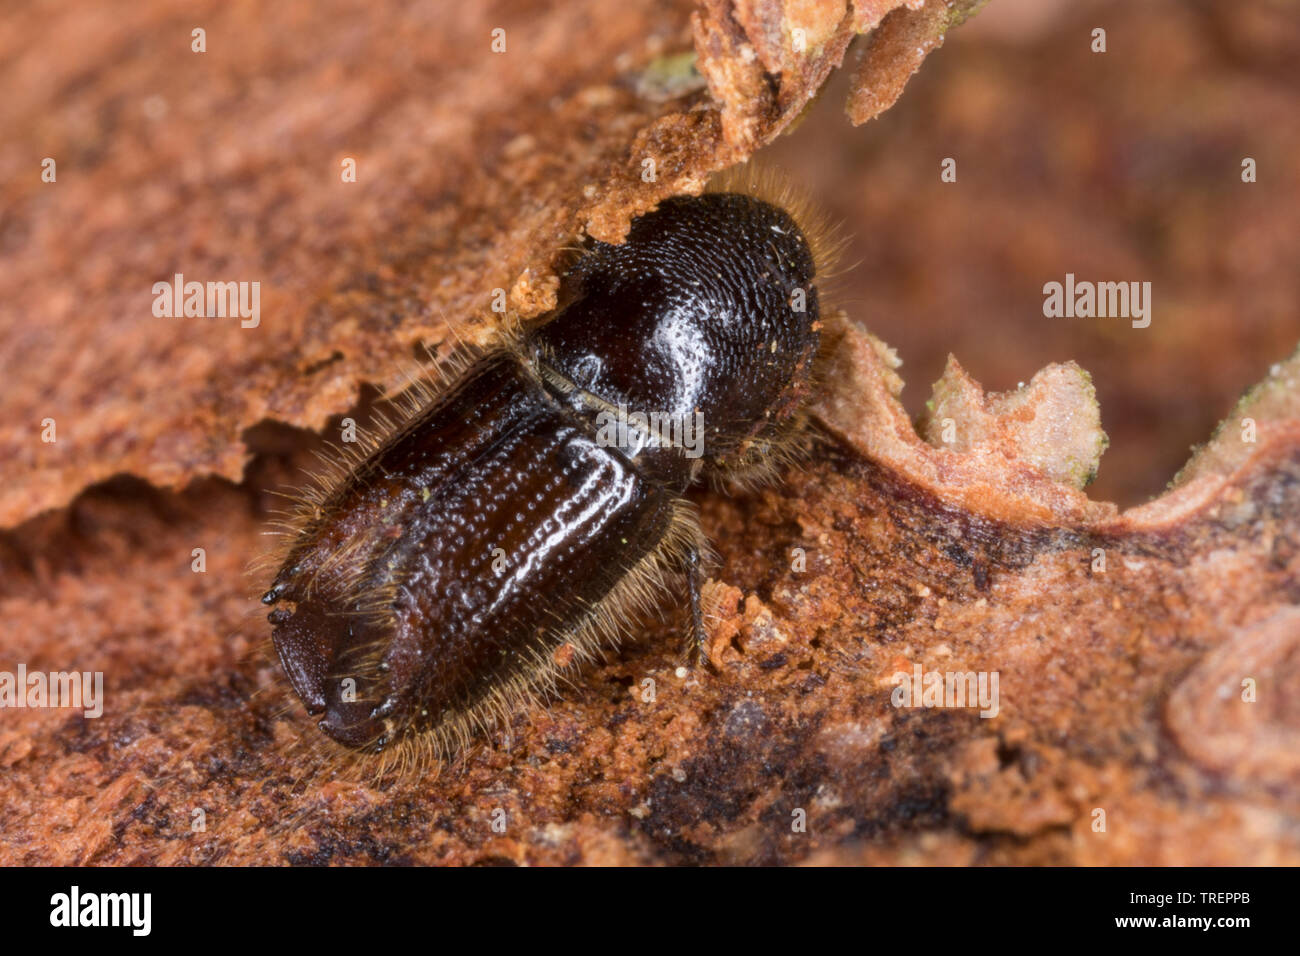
<point>506,527</point>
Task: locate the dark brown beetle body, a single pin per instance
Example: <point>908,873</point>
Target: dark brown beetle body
<point>430,591</point>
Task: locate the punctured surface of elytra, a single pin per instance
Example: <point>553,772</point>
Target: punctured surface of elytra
<point>430,590</point>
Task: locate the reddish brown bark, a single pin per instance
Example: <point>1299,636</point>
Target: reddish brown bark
<point>1120,681</point>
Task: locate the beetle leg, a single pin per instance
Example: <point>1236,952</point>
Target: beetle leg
<point>698,637</point>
